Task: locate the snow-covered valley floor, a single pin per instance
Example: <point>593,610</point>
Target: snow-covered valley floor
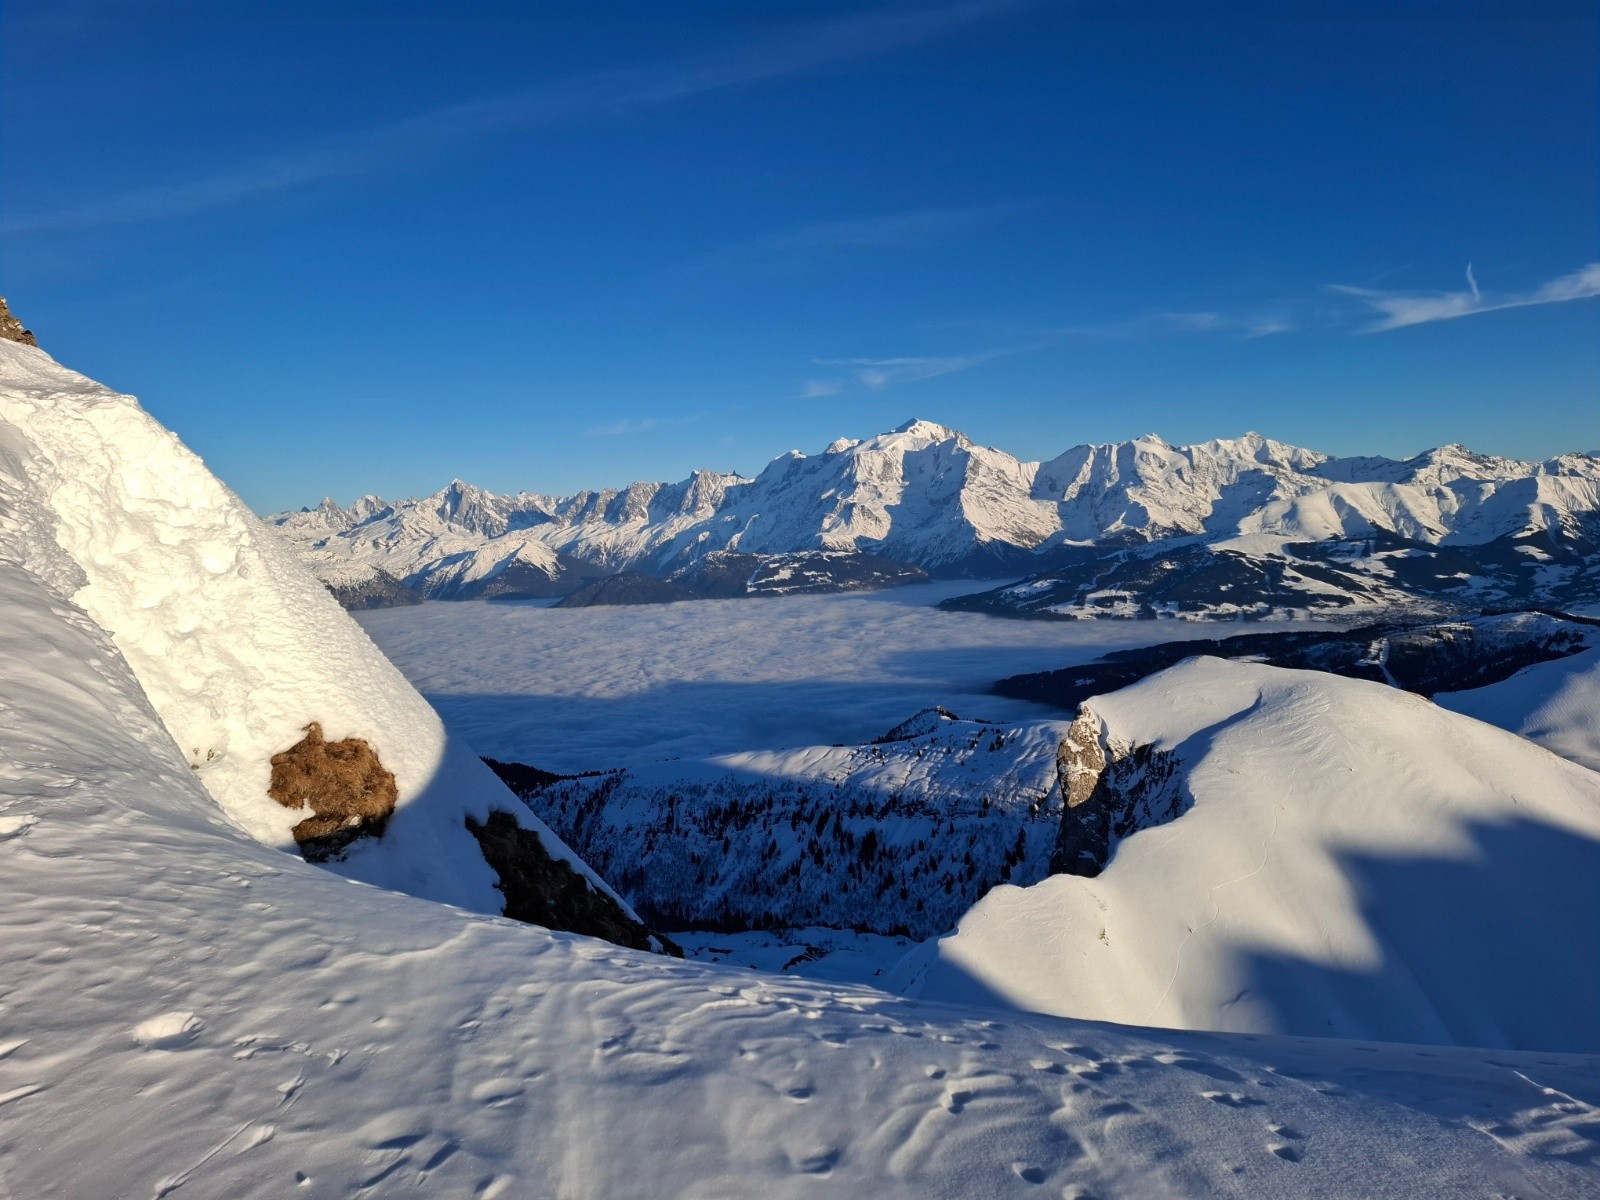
<point>592,688</point>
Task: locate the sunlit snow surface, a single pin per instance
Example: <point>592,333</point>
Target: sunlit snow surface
<point>1556,704</point>
<point>580,689</point>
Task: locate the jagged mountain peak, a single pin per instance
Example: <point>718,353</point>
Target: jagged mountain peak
<point>922,432</point>
<point>930,428</point>
<point>1446,464</point>
<point>925,495</point>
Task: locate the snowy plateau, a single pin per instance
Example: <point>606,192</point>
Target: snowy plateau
<point>1244,527</point>
<point>1284,933</point>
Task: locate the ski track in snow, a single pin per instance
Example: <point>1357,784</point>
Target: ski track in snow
<point>581,689</point>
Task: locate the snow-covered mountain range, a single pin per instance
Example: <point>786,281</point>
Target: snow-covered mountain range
<point>193,1009</point>
<point>1240,526</point>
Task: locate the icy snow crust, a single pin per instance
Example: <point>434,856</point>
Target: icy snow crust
<point>189,1013</point>
<point>1356,863</point>
<point>237,646</point>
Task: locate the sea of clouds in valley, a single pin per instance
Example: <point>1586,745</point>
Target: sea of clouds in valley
<point>580,689</point>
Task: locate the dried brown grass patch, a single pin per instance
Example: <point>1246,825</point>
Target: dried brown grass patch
<point>347,788</point>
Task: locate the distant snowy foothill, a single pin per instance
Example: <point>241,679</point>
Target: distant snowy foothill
<point>1556,704</point>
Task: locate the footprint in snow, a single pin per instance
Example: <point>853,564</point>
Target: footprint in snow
<point>169,1031</point>
<point>955,1101</point>
<point>1231,1099</point>
<point>1283,1149</point>
<point>497,1092</point>
<point>820,1162</point>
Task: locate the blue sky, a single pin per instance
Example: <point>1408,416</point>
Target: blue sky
<point>370,246</point>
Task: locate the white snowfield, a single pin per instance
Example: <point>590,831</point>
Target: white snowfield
<point>237,646</point>
<point>1357,862</point>
<point>1556,704</point>
<point>928,495</point>
<point>189,1013</point>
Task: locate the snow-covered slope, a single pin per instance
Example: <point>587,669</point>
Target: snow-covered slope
<point>188,1013</point>
<point>1350,861</point>
<point>237,646</point>
<point>1309,531</point>
<point>1556,704</point>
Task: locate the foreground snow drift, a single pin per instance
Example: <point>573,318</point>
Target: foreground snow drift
<point>236,645</point>
<point>1353,862</point>
<point>188,1013</point>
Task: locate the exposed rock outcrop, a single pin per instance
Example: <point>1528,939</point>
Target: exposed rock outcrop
<point>11,329</point>
<point>542,890</point>
<point>378,589</point>
<point>349,792</point>
<point>1109,790</point>
<point>630,587</point>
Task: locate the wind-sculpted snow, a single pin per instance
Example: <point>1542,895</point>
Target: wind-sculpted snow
<point>1352,861</point>
<point>188,1013</point>
<point>927,496</point>
<point>237,646</point>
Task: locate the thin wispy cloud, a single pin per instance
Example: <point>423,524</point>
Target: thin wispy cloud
<point>598,94</point>
<point>1158,324</point>
<point>819,242</point>
<point>816,389</point>
<point>879,373</point>
<point>1398,310</point>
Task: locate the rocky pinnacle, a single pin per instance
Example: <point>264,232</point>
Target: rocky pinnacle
<point>11,329</point>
